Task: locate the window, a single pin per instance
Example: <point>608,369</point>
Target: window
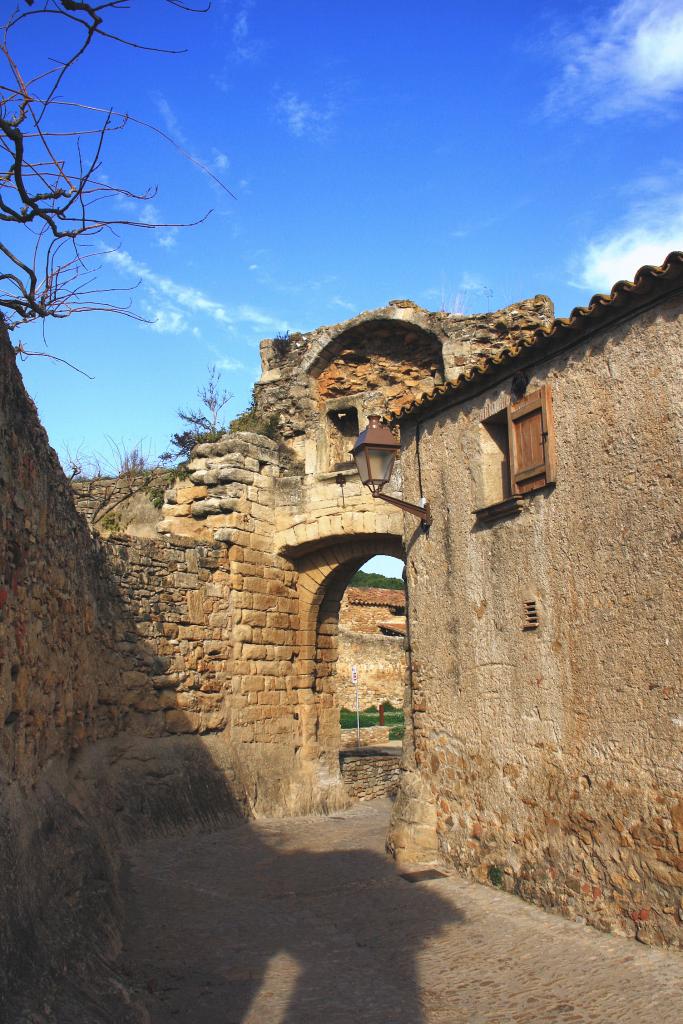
<point>518,453</point>
<point>495,458</point>
<point>531,440</point>
<point>342,431</point>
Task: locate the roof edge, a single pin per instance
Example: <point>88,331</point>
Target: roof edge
<point>626,297</point>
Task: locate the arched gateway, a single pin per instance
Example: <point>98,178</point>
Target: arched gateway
<point>291,524</point>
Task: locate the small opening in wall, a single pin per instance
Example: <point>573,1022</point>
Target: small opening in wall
<point>495,458</point>
<point>342,431</point>
<point>531,614</point>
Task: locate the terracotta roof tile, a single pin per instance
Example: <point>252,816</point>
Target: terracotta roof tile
<point>382,596</point>
<point>600,310</point>
<point>397,627</point>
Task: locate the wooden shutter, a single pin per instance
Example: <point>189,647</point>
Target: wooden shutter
<point>531,438</point>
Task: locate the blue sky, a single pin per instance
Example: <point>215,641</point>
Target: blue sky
<point>461,155</point>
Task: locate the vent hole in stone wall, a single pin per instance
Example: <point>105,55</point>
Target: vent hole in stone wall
<point>531,614</point>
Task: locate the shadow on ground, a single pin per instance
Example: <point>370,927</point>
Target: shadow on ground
<point>264,924</point>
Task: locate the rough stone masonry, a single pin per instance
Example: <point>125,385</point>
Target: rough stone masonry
<point>184,670</point>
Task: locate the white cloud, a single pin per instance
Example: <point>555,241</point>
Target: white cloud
<point>149,214</point>
<point>167,240</point>
<point>193,300</point>
<point>171,122</point>
<point>221,161</point>
<point>190,298</point>
<point>472,283</point>
<point>253,316</point>
<point>244,45</point>
<point>231,365</point>
<point>628,58</point>
<point>302,118</point>
<point>652,230</point>
<point>167,321</point>
<point>336,301</point>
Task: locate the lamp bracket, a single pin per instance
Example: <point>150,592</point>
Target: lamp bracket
<point>422,511</point>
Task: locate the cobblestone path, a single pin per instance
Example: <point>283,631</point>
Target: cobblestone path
<point>305,921</point>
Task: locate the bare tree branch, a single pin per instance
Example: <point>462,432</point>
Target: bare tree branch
<point>52,184</point>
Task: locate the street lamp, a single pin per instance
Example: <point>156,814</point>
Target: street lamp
<point>374,453</point>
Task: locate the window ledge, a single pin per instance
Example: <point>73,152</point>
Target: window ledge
<point>511,506</point>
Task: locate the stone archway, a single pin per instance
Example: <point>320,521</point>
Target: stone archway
<point>322,577</point>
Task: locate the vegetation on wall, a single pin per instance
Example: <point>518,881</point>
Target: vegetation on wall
<point>255,422</point>
<point>202,424</point>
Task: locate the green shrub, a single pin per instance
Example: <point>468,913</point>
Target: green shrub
<point>370,717</point>
<point>495,876</point>
<point>158,484</point>
<point>253,422</point>
<point>111,522</point>
<point>396,732</point>
<point>376,579</point>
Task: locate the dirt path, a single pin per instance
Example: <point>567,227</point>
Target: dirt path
<point>305,921</point>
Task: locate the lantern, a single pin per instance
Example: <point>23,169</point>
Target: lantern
<point>375,453</point>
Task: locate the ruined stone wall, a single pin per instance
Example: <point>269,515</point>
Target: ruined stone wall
<point>128,504</point>
<point>364,609</point>
<point>290,529</point>
<point>549,757</point>
<point>372,364</point>
<point>380,659</point>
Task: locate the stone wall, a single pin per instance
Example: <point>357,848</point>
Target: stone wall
<point>56,666</point>
<point>182,668</point>
<point>372,363</point>
<point>370,736</point>
<point>366,609</point>
<point>294,536</point>
<point>548,754</point>
<point>381,664</point>
<point>370,774</point>
<point>128,504</point>
<point>86,697</point>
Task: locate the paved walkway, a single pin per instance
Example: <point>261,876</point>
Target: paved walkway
<point>305,921</point>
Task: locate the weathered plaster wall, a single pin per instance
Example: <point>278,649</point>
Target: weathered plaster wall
<point>555,756</point>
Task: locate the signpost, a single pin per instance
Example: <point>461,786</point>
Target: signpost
<point>354,680</point>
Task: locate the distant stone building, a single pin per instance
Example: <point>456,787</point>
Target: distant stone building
<point>546,615</point>
<point>372,629</point>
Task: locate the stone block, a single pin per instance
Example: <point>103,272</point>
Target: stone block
<point>177,722</point>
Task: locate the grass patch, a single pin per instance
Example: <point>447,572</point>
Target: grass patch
<point>393,717</point>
